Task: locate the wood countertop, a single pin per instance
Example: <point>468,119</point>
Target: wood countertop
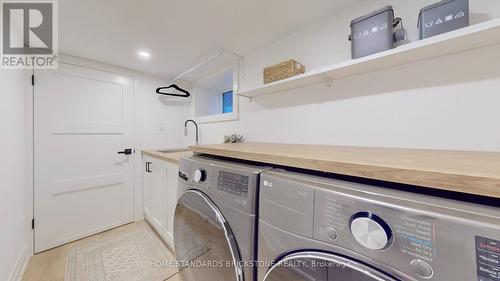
<point>172,157</point>
<point>461,171</point>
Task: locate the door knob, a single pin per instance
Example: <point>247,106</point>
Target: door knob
<point>127,151</point>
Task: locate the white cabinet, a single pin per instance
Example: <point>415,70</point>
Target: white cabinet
<point>171,172</point>
<point>160,195</point>
<point>154,193</point>
<point>147,179</point>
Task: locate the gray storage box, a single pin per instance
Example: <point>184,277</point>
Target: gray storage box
<point>444,16</point>
<point>372,33</point>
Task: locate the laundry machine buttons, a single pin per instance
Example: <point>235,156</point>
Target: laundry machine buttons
<point>370,231</point>
<point>331,233</point>
<point>421,268</point>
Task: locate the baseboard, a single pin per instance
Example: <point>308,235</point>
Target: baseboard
<point>21,263</point>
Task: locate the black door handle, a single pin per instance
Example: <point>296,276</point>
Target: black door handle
<point>147,167</point>
<point>127,151</point>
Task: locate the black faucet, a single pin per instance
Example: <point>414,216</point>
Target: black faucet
<point>186,132</point>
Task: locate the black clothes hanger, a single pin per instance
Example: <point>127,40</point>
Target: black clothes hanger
<point>185,94</point>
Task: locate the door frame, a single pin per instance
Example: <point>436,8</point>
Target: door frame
<point>30,130</point>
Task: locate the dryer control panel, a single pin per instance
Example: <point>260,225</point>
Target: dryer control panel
<point>487,259</point>
<point>423,237</point>
<point>399,238</point>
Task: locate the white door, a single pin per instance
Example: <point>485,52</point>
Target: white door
<point>82,119</point>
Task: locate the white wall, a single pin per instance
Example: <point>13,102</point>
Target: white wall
<point>15,203</point>
<point>159,119</point>
<point>444,103</point>
<point>159,124</point>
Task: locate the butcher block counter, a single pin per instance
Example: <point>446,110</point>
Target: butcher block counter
<point>469,172</point>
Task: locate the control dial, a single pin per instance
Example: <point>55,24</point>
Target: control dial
<point>200,175</point>
<point>371,231</point>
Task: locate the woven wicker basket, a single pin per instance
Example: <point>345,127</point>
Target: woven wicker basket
<point>282,71</point>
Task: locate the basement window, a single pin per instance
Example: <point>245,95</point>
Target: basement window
<point>227,102</point>
<point>214,97</point>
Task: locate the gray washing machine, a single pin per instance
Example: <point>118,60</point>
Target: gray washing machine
<point>215,220</point>
<point>314,228</point>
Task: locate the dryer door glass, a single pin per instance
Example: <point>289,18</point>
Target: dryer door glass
<point>205,247</point>
<point>311,266</point>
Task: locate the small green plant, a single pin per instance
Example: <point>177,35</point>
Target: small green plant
<point>233,138</point>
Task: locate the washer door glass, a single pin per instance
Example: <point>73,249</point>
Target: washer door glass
<point>205,247</point>
<point>311,266</point>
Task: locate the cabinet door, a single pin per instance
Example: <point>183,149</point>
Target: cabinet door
<point>172,172</point>
<point>146,187</point>
<point>157,195</point>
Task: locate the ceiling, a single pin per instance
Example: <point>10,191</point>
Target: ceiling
<point>179,33</point>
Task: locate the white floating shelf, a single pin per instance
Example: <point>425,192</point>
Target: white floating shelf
<point>468,38</point>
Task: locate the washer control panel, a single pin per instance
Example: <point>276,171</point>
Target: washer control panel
<point>233,183</point>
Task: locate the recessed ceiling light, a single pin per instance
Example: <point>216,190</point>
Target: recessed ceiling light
<point>144,54</point>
